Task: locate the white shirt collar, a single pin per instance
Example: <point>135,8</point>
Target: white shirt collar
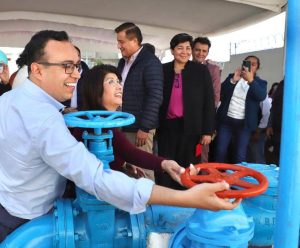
<point>38,93</point>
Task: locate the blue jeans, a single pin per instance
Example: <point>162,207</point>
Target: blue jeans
<point>234,130</point>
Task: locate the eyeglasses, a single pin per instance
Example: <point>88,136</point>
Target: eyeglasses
<point>69,67</point>
<point>111,81</point>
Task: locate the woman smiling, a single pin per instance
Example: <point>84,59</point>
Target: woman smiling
<point>102,90</point>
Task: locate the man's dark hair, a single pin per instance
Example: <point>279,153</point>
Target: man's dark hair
<point>181,38</point>
<point>78,50</point>
<point>91,87</point>
<point>149,47</point>
<point>202,40</point>
<point>131,31</point>
<point>34,50</point>
<point>257,60</point>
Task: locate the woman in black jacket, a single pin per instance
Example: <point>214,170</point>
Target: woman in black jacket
<point>187,112</point>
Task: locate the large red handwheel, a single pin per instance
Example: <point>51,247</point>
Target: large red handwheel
<point>232,174</point>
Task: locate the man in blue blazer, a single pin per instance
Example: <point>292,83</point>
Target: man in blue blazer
<point>237,115</point>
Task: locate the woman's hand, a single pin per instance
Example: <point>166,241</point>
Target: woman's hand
<point>4,75</point>
<point>205,140</point>
<point>193,170</point>
<point>173,169</point>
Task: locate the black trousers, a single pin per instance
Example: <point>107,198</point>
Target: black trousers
<point>174,144</point>
<point>8,223</point>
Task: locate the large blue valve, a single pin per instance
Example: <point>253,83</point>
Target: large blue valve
<point>99,142</point>
<point>98,119</point>
<point>89,223</point>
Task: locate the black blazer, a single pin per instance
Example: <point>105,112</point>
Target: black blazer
<point>198,98</point>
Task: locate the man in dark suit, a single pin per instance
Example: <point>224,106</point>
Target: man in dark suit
<point>142,79</point>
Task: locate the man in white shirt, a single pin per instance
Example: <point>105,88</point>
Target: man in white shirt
<point>38,153</point>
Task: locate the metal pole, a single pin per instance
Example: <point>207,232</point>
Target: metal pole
<point>288,208</point>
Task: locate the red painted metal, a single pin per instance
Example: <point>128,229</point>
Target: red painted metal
<point>233,175</point>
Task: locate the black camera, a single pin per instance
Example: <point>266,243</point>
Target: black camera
<point>246,63</point>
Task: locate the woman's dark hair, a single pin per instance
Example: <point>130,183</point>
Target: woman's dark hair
<point>257,59</point>
<point>91,88</point>
<point>273,89</point>
<point>181,38</point>
<point>34,50</point>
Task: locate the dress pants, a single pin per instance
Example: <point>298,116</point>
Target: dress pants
<point>8,223</point>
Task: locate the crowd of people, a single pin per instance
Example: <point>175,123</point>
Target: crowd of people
<point>181,104</point>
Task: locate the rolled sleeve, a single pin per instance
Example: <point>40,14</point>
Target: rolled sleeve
<point>125,193</point>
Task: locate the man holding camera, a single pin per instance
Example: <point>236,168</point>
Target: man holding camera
<point>237,115</point>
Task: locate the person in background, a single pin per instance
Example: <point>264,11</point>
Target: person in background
<point>201,46</point>
<point>21,74</point>
<point>4,74</point>
<point>142,80</point>
<point>150,47</point>
<point>237,115</point>
<point>256,146</point>
<point>36,160</point>
<point>187,112</point>
<point>273,89</point>
<point>275,123</point>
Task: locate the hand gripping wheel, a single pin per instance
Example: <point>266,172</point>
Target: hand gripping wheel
<point>233,175</point>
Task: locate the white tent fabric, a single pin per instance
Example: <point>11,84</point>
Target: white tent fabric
<point>91,23</point>
<point>273,5</point>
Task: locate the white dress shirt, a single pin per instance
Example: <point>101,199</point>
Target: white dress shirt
<point>37,153</point>
<point>128,64</point>
<point>265,107</point>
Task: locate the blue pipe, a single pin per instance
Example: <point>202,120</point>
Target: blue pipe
<point>288,208</point>
<point>36,233</point>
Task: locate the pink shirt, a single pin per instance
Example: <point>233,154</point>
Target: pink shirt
<point>175,109</point>
<point>215,74</point>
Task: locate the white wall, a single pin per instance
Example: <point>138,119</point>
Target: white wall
<point>271,65</point>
